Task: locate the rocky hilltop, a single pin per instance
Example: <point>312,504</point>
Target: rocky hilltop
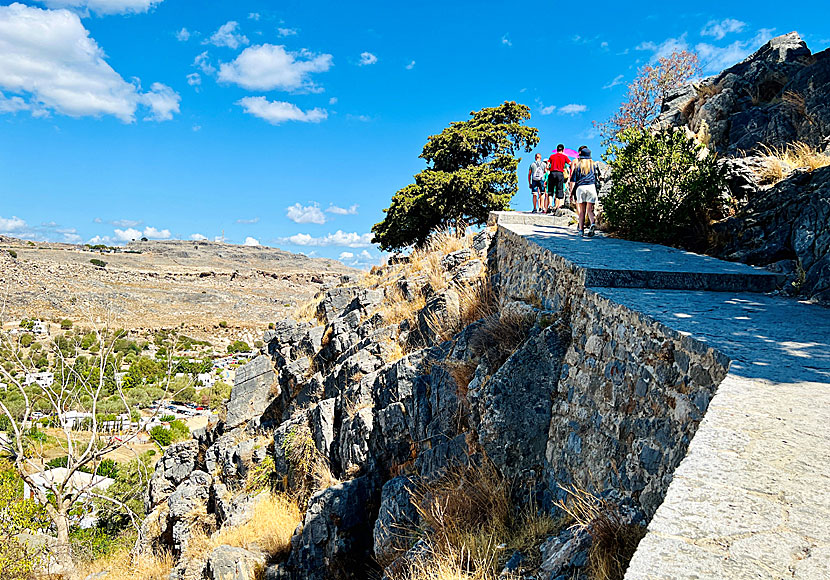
<point>160,284</point>
<point>750,114</point>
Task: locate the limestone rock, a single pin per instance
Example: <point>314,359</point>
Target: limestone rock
<point>444,308</point>
<point>254,389</point>
<point>396,517</point>
<point>176,465</point>
<point>229,563</point>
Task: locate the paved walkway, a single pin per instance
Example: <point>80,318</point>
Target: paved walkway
<point>752,497</point>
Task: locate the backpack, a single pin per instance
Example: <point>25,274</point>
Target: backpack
<point>538,170</point>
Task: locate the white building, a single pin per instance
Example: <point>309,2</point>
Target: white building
<point>84,482</point>
<point>75,419</point>
<point>207,379</point>
<point>40,328</point>
<point>44,379</point>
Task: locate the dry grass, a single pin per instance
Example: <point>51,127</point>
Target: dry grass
<point>274,520</point>
<point>613,540</point>
<point>796,102</point>
<point>311,469</point>
<point>474,526</point>
<point>307,311</point>
<point>123,565</point>
<point>499,336</point>
<point>396,308</point>
<point>462,372</point>
<point>780,162</point>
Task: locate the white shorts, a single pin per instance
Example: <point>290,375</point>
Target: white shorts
<point>586,194</point>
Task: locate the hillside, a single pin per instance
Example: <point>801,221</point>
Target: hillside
<point>159,284</point>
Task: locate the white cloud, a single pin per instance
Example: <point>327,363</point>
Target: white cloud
<point>333,101</point>
<point>11,224</point>
<point>309,214</point>
<point>163,102</point>
<point>105,6</point>
<point>249,241</point>
<point>547,110</point>
<point>202,62</point>
<point>603,45</point>
<point>125,223</point>
<point>268,67</point>
<point>254,220</point>
<point>276,112</point>
<point>133,234</point>
<point>665,48</point>
<point>183,35</point>
<point>361,118</point>
<point>505,40</point>
<point>194,79</point>
<point>198,238</point>
<point>254,16</point>
<point>13,104</point>
<point>367,58</point>
<point>411,65</point>
<point>50,62</point>
<point>617,81</point>
<point>352,210</point>
<point>346,256</point>
<point>366,255</point>
<point>287,31</point>
<point>338,238</point>
<point>716,58</point>
<point>719,29</point>
<point>227,35</point>
<point>572,109</point>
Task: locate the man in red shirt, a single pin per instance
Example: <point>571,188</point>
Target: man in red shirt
<point>556,180</point>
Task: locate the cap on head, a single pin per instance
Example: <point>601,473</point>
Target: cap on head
<point>560,147</point>
<point>584,153</point>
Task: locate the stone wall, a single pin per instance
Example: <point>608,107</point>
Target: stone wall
<point>631,391</point>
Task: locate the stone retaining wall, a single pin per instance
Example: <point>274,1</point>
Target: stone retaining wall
<point>631,392</point>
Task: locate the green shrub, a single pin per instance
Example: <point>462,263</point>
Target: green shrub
<point>13,254</point>
<point>26,340</point>
<point>223,324</point>
<point>66,324</point>
<point>238,346</point>
<point>665,187</point>
<point>161,435</point>
<point>98,263</point>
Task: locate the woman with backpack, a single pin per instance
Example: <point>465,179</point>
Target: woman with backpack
<point>584,179</point>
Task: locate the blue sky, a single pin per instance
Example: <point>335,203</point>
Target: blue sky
<point>292,124</point>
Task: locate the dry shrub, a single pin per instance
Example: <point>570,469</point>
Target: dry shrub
<point>310,468</point>
<point>796,102</point>
<point>478,300</point>
<point>123,565</point>
<point>427,259</point>
<point>462,372</point>
<point>499,336</point>
<point>473,526</point>
<point>613,539</point>
<point>780,162</point>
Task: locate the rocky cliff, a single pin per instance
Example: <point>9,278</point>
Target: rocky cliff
<point>356,411</point>
<point>750,114</point>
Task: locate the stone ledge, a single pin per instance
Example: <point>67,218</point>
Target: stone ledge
<point>613,263</point>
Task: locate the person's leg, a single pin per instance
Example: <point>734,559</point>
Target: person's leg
<point>591,216</point>
<point>559,191</point>
<point>580,220</point>
<point>535,196</point>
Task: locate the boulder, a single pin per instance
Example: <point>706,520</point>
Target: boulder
<point>334,302</point>
<point>397,520</point>
<point>254,389</point>
<point>514,406</point>
<point>229,563</point>
<point>481,243</point>
<point>176,465</point>
<point>454,259</point>
<point>335,539</point>
<point>443,310</point>
<point>565,555</point>
<point>468,272</point>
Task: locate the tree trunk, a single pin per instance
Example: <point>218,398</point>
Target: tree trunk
<point>63,549</point>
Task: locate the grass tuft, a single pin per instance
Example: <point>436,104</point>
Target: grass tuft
<point>779,162</point>
<point>123,565</point>
<point>613,539</point>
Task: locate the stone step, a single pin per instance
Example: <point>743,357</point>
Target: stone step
<point>614,263</point>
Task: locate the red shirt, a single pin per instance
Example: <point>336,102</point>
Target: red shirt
<point>558,161</point>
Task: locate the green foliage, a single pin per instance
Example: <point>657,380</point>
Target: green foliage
<point>664,187</point>
<point>98,263</point>
<point>131,480</point>
<point>223,324</point>
<point>66,324</point>
<point>26,340</point>
<point>107,467</point>
<point>88,340</point>
<point>471,171</point>
<point>27,324</point>
<point>238,346</point>
<point>12,253</point>
<point>161,435</point>
<point>17,516</point>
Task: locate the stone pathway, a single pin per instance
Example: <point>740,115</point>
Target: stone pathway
<point>752,497</point>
